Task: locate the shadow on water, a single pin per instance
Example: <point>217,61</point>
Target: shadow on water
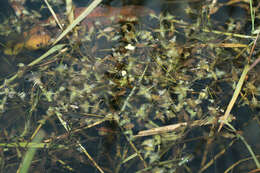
<point>165,66</point>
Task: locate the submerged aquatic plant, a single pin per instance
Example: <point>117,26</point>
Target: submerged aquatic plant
<point>130,93</point>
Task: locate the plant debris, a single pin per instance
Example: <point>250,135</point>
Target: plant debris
<point>146,95</point>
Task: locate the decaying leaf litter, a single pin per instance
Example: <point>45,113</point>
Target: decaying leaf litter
<point>132,96</point>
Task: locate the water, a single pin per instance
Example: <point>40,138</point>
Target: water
<point>172,69</point>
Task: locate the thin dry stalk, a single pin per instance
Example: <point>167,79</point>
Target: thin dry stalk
<point>83,149</point>
<point>173,127</point>
<point>237,163</point>
<point>216,157</point>
<point>53,14</point>
<point>69,9</point>
<point>234,97</point>
<point>239,86</point>
<point>208,143</point>
<point>82,16</point>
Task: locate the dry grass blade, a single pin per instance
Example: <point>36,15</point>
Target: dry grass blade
<point>239,85</point>
<point>173,127</point>
<point>83,15</point>
<point>229,34</point>
<point>53,14</point>
<point>234,97</point>
<point>48,53</point>
<point>69,10</point>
